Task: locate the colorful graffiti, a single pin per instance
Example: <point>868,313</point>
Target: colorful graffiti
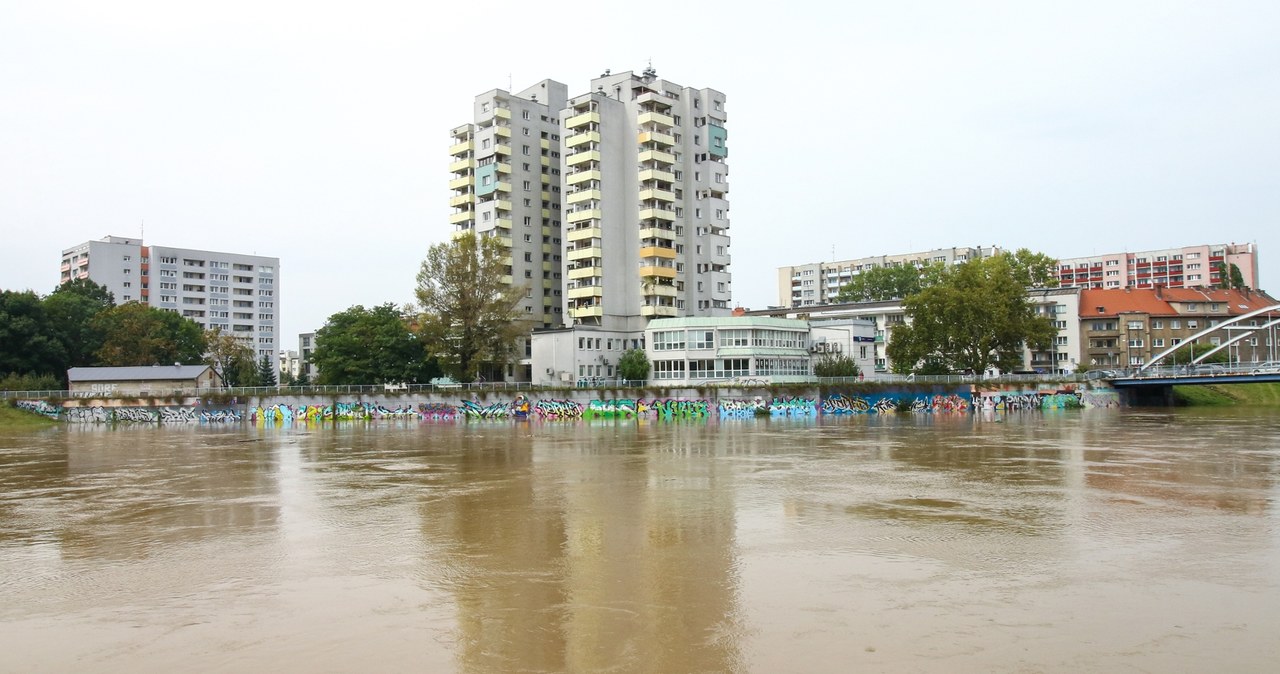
<point>40,407</point>
<point>558,410</point>
<point>437,412</point>
<point>516,409</point>
<point>793,407</point>
<point>1011,401</point>
<point>679,409</point>
<point>742,409</point>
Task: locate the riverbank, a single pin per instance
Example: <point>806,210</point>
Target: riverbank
<point>1231,394</point>
<point>16,418</point>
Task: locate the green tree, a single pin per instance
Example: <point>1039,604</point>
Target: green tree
<point>266,371</point>
<point>469,318</point>
<point>370,346</point>
<point>28,343</point>
<point>886,283</point>
<point>1033,270</point>
<point>1230,277</point>
<point>634,365</point>
<point>230,358</point>
<point>977,316</point>
<point>136,334</point>
<point>835,365</point>
<point>71,309</point>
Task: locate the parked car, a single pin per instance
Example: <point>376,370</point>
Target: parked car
<point>1209,368</point>
<point>1266,367</point>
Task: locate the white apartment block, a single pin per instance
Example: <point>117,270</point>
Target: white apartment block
<point>820,282</point>
<point>238,293</point>
<point>1186,267</point>
<point>505,183</point>
<point>646,202</point>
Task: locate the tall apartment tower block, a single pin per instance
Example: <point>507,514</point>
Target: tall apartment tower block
<point>613,204</point>
<point>235,292</point>
<point>646,202</point>
<point>1186,267</point>
<point>506,183</point>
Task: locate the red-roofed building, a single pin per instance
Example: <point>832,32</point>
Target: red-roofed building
<point>1126,327</point>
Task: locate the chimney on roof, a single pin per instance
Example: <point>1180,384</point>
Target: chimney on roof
<point>1159,287</point>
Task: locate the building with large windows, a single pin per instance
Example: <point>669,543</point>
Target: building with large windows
<point>238,293</point>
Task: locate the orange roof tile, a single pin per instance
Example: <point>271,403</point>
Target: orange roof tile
<point>1156,301</point>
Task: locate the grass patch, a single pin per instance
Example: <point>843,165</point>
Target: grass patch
<point>1267,395</point>
<point>11,417</point>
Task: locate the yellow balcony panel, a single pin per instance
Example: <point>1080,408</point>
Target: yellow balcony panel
<point>587,312</point>
<point>656,137</point>
<point>462,165</point>
<point>505,260</point>
<point>584,195</point>
<point>505,242</point>
<point>546,161</point>
<point>656,118</point>
<point>546,196</point>
<point>504,167</point>
<point>584,233</point>
<point>545,144</point>
<point>587,214</point>
<point>546,266</point>
<point>502,131</point>
<point>658,251</point>
<point>502,113</point>
<point>660,195</point>
<point>504,187</point>
<point>664,272</point>
<point>503,205</point>
<point>657,213</point>
<point>464,216</point>
<point>462,183</point>
<point>660,290</point>
<point>589,291</point>
<point>461,148</point>
<point>657,174</point>
<point>503,223</point>
<point>546,249</point>
<point>583,119</point>
<point>505,280</point>
<point>587,253</point>
<point>579,138</point>
<point>460,200</point>
<point>546,231</point>
<point>657,233</point>
<point>658,156</point>
<point>546,212</point>
<point>583,176</point>
<point>585,272</point>
<point>658,311</point>
<point>547,303</point>
<point>582,157</point>
<point>502,148</point>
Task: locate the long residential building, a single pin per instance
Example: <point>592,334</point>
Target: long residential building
<point>614,205</point>
<point>237,293</point>
<point>1186,267</point>
<point>820,282</point>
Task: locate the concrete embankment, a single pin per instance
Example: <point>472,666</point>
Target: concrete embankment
<point>796,400</point>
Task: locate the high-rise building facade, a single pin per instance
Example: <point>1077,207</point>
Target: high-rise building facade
<point>614,205</point>
<point>506,183</point>
<point>240,294</point>
<point>646,202</point>
<point>1186,267</point>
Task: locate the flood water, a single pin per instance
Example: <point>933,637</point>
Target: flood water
<point>1076,541</point>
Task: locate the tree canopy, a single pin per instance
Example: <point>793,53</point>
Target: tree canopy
<point>230,358</point>
<point>634,365</point>
<point>974,317</point>
<point>136,334</point>
<point>885,283</point>
<point>28,344</point>
<point>370,346</point>
<point>1033,270</point>
<point>469,318</point>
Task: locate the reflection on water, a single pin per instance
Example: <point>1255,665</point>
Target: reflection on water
<point>1093,540</point>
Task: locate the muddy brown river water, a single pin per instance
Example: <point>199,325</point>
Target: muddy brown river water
<point>1075,541</point>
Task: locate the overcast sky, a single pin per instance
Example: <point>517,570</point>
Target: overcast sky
<point>318,132</point>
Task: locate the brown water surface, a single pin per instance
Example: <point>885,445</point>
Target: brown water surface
<point>1144,541</point>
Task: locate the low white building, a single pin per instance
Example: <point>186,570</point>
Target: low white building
<point>703,350</point>
<point>581,355</point>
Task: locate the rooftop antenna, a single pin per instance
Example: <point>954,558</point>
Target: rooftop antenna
<point>508,81</point>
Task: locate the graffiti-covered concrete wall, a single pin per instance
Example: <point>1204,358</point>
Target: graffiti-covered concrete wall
<point>726,403</point>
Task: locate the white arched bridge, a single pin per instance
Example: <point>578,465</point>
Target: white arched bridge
<point>1163,370</point>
